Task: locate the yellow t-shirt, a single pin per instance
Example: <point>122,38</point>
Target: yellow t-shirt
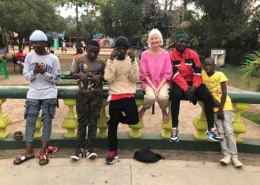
<point>213,84</point>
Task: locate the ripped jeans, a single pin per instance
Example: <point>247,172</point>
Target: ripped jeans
<point>32,108</point>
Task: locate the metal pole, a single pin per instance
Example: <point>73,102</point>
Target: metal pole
<point>77,22</point>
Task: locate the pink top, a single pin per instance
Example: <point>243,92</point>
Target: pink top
<point>156,67</point>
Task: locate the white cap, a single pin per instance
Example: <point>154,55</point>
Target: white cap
<point>38,35</point>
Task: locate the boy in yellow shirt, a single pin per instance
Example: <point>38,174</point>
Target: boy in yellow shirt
<point>215,82</point>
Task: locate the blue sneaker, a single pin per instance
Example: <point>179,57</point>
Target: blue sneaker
<point>112,155</point>
<point>212,135</point>
<point>174,135</point>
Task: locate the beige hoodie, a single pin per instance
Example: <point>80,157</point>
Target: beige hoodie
<point>122,76</point>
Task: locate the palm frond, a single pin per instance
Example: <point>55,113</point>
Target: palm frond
<point>251,65</point>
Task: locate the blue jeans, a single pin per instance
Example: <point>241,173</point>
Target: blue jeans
<point>32,108</point>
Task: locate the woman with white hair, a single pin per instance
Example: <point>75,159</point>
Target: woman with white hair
<point>155,74</point>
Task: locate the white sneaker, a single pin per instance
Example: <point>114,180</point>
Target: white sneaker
<point>90,154</point>
<point>226,160</point>
<point>236,162</point>
<point>174,135</point>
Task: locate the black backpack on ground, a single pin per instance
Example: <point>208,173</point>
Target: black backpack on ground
<point>147,156</point>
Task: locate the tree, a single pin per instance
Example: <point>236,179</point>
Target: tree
<point>79,25</point>
<point>23,17</point>
<point>226,24</point>
<point>121,17</point>
<point>159,15</point>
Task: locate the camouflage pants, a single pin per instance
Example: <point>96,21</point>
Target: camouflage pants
<point>88,106</point>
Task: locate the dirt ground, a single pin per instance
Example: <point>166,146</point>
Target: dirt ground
<point>253,130</point>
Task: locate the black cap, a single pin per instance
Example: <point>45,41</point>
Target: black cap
<point>121,41</point>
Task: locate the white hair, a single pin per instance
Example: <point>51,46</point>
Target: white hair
<point>152,32</point>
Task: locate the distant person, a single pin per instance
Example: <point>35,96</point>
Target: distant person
<point>49,45</point>
<point>20,56</point>
<point>42,69</point>
<point>89,70</point>
<point>186,82</point>
<point>23,43</point>
<point>215,82</point>
<point>12,44</point>
<point>3,49</point>
<point>64,46</point>
<point>74,45</point>
<point>122,73</point>
<point>155,75</point>
<point>79,52</point>
<point>83,45</point>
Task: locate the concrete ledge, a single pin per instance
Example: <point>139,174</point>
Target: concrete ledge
<point>153,140</point>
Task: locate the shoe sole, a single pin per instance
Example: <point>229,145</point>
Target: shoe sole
<point>74,158</point>
<point>215,140</point>
<point>224,163</point>
<point>92,156</point>
<point>212,139</point>
<point>112,162</point>
<point>237,166</point>
<point>174,141</point>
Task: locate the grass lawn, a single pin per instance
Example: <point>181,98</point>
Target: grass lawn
<point>235,73</point>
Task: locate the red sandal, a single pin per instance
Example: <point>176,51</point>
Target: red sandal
<point>43,159</point>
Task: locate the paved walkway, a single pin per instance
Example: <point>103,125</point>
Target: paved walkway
<point>127,172</point>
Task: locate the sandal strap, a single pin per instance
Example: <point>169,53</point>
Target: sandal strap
<point>43,157</point>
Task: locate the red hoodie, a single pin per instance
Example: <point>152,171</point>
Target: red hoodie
<point>186,68</point>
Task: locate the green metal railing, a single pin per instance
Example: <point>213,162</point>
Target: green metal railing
<point>240,100</point>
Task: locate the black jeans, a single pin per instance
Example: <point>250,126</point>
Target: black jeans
<point>201,93</point>
<point>116,107</point>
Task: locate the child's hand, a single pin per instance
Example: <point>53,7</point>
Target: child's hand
<point>83,77</point>
<point>42,68</point>
<point>220,114</point>
<point>114,54</point>
<point>215,102</point>
<point>36,68</point>
<point>131,55</point>
<point>97,77</point>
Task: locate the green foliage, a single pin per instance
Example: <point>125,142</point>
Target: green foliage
<point>231,25</point>
<point>23,17</point>
<point>254,59</point>
<point>235,56</point>
<point>121,17</point>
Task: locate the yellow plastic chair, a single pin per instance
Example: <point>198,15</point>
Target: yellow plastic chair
<point>3,68</point>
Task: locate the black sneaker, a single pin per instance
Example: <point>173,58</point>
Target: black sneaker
<point>111,156</point>
<point>78,153</point>
<point>90,154</point>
